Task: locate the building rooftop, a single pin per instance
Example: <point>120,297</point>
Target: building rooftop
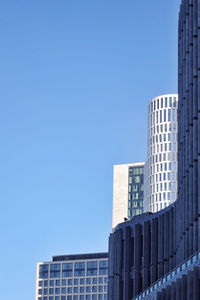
<point>80,256</point>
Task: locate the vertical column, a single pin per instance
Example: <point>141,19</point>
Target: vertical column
<point>160,246</point>
<point>137,260</point>
<point>147,255</point>
<point>154,250</point>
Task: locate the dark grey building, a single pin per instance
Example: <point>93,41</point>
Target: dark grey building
<point>156,256</point>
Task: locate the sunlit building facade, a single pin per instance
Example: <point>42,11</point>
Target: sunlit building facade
<point>73,277</point>
<point>128,191</point>
<point>161,166</point>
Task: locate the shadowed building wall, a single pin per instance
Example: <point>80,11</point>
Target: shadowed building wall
<point>142,250</point>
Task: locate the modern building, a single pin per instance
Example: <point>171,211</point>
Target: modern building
<point>156,256</point>
<point>73,277</point>
<point>128,191</point>
<point>161,166</point>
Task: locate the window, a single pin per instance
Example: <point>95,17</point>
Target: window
<point>173,115</point>
<point>40,291</point>
<point>88,289</point>
<point>103,267</point>
<point>69,281</point>
<point>165,102</point>
<point>43,271</point>
<point>69,290</point>
<point>94,289</point>
<point>87,297</point>
<point>51,291</point>
<point>63,290</point>
<point>94,297</point>
<point>57,282</point>
<point>92,268</point>
<point>45,291</point>
<point>54,270</point>
<point>88,280</point>
<point>57,290</point>
<point>75,297</point>
<point>40,283</point>
<point>45,282</point>
<point>67,270</point>
<point>82,281</point>
<point>76,290</point>
<point>165,119</point>
<point>76,281</point>
<point>100,280</point>
<point>79,269</point>
<point>64,282</point>
<point>94,280</point>
<point>169,115</point>
<point>51,282</point>
<point>63,297</point>
<point>100,288</point>
<point>82,289</point>
<point>161,104</point>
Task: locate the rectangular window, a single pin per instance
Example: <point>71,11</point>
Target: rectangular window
<point>161,104</point>
<point>103,267</point>
<point>43,271</point>
<point>169,115</point>
<point>165,102</point>
<point>55,270</point>
<point>165,113</point>
<point>173,115</point>
<point>92,268</point>
<point>67,270</point>
<point>79,269</point>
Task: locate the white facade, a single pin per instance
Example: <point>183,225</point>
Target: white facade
<point>160,186</point>
<point>121,192</point>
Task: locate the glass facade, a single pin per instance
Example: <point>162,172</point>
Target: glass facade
<point>73,280</point>
<point>136,191</point>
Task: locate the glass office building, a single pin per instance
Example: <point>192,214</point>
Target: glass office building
<point>73,277</point>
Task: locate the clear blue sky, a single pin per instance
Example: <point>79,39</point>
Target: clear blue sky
<point>75,77</point>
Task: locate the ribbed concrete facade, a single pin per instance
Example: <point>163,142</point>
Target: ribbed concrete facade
<point>151,245</point>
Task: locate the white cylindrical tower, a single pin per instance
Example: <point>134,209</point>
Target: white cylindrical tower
<point>160,172</point>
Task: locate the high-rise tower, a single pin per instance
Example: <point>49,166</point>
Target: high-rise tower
<point>161,166</point>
